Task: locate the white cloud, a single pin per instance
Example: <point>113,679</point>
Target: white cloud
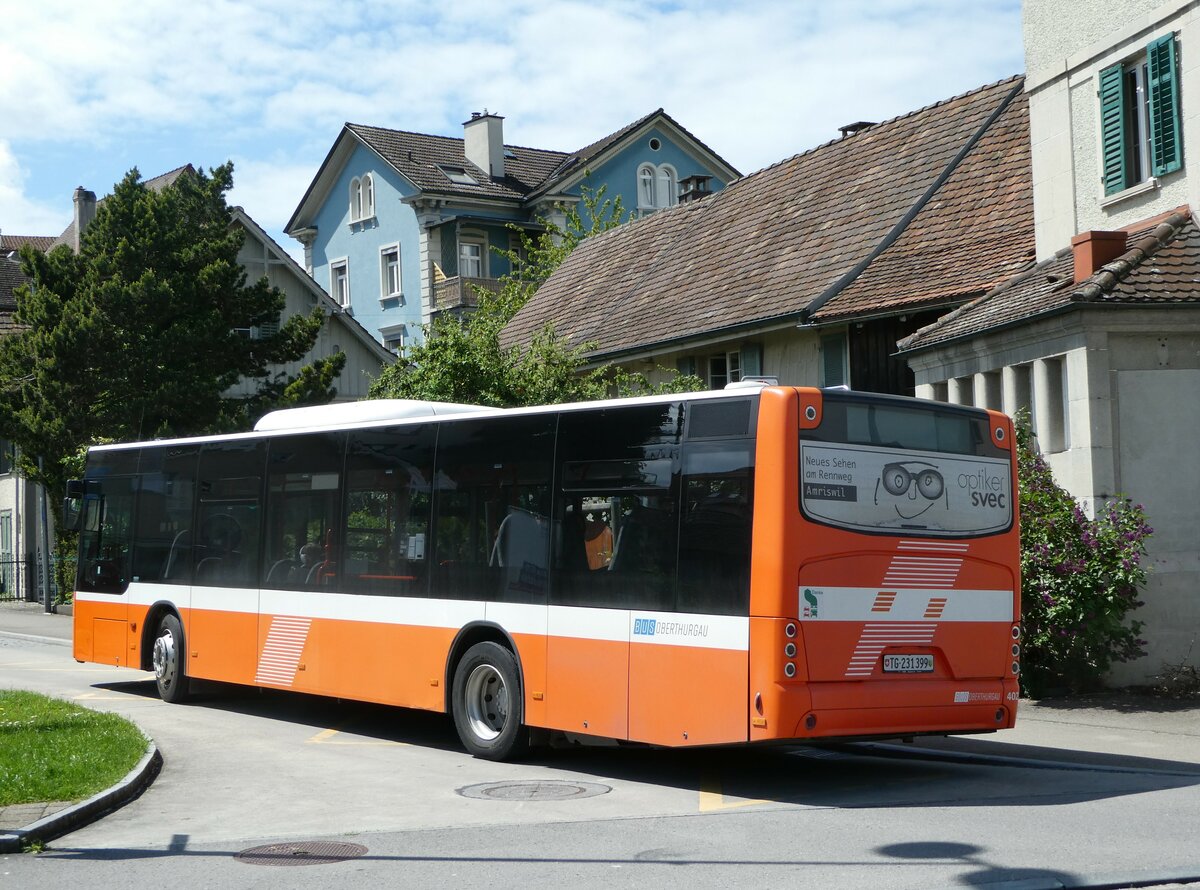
<point>19,215</point>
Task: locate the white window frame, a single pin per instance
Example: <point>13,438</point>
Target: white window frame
<point>395,338</point>
<point>667,186</point>
<point>355,199</point>
<point>341,264</point>
<point>473,239</point>
<point>732,373</point>
<point>368,194</point>
<point>647,177</point>
<point>386,291</point>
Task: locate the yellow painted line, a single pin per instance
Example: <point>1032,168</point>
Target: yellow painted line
<point>326,737</point>
<point>713,800</point>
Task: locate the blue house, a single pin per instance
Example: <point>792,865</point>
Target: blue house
<point>396,225</point>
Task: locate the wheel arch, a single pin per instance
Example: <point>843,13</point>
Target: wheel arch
<point>154,617</point>
<point>467,636</point>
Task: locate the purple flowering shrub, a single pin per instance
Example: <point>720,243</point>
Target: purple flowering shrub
<point>1080,579</point>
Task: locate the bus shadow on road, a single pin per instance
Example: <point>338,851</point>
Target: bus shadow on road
<point>854,775</point>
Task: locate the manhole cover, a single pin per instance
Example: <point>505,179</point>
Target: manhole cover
<point>301,853</point>
<point>546,790</point>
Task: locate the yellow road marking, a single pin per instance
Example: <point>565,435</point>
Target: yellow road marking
<point>326,737</point>
<point>712,799</point>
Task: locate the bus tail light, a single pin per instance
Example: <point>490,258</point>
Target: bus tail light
<point>789,670</point>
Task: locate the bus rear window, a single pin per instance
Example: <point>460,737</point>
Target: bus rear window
<point>894,468</point>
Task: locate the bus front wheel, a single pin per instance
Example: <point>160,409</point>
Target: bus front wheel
<point>487,703</point>
<point>168,658</point>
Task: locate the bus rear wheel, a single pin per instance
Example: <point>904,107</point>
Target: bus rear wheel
<point>168,660</point>
<point>487,704</point>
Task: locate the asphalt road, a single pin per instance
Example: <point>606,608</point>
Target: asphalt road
<point>246,768</point>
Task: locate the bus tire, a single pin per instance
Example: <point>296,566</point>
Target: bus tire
<point>169,661</point>
<point>487,703</point>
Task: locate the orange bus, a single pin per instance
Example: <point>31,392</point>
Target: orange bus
<point>759,564</point>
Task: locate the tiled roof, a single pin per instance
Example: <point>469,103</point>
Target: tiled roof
<point>158,182</point>
<point>9,243</point>
<point>976,232</point>
<point>10,277</point>
<point>417,156</point>
<point>1161,265</point>
<point>767,246</point>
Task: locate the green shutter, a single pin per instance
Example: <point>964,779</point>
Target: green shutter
<point>833,360</point>
<point>1112,129</point>
<point>1166,155</point>
<point>751,359</point>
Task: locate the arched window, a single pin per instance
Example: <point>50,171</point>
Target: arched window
<point>368,196</point>
<point>355,199</point>
<point>668,186</point>
<point>646,187</point>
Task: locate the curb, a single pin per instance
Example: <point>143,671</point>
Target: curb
<point>87,811</point>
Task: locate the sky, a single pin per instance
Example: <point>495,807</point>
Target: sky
<point>89,90</point>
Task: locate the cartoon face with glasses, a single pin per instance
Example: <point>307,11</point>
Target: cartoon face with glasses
<point>915,485</point>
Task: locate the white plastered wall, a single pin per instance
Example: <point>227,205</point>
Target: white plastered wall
<point>1066,46</point>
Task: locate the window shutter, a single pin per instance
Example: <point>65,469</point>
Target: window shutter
<point>833,360</point>
<point>1112,129</point>
<point>1165,153</point>
<point>751,359</point>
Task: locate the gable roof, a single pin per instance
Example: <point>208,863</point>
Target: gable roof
<point>158,182</point>
<point>797,237</point>
<point>332,309</point>
<point>419,157</point>
<point>1160,266</point>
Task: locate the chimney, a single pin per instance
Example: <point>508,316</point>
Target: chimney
<point>483,138</point>
<point>1094,249</point>
<point>694,188</point>
<point>856,127</point>
<point>85,212</point>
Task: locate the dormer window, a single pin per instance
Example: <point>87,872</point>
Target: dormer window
<point>362,198</point>
<point>457,175</point>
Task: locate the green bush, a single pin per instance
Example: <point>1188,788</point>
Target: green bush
<point>1080,579</point>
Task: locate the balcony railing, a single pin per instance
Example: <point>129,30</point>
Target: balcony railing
<point>457,292</point>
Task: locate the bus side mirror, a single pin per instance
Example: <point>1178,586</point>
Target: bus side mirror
<point>72,514</point>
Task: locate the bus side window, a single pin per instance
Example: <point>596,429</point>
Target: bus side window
<point>618,507</point>
<point>492,535</point>
<point>225,542</point>
<point>388,503</point>
<point>304,475</point>
<point>715,528</point>
<point>162,540</point>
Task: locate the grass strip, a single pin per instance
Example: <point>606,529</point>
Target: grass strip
<point>53,750</point>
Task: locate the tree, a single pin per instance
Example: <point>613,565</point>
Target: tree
<point>1080,579</point>
<point>140,335</point>
<point>461,359</point>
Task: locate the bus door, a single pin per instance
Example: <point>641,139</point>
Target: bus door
<point>106,543</point>
<point>222,626</point>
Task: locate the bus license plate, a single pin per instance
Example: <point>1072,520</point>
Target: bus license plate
<point>908,664</point>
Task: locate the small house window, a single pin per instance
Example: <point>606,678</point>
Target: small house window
<point>835,367</point>
<point>723,368</point>
<point>646,187</point>
<point>457,175</point>
<point>470,258</point>
<point>356,193</point>
<point>389,267</point>
<point>339,282</point>
<point>368,196</point>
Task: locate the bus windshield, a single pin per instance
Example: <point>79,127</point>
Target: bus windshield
<point>884,467</point>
